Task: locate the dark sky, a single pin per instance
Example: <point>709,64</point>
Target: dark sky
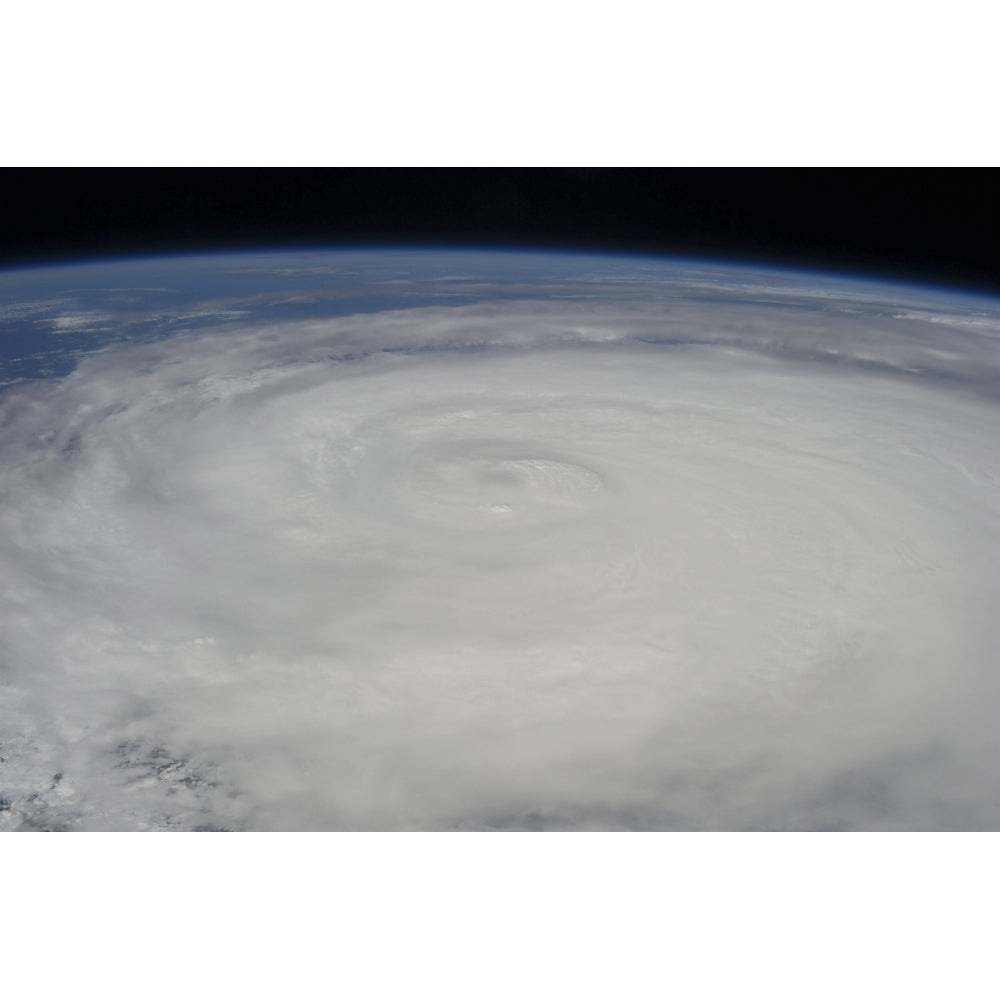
<point>938,225</point>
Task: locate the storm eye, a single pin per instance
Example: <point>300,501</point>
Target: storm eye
<point>499,478</point>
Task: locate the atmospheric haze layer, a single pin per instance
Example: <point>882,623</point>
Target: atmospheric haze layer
<point>432,541</point>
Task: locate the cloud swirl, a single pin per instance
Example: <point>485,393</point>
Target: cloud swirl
<point>725,561</point>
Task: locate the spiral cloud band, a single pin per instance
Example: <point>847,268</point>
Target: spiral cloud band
<point>705,551</point>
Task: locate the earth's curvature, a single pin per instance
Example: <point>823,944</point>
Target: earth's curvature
<point>423,540</point>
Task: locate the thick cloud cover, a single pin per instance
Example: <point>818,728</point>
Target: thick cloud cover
<point>726,562</point>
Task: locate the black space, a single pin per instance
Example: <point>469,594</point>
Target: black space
<point>914,224</point>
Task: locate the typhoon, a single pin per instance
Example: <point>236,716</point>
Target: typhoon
<point>420,540</point>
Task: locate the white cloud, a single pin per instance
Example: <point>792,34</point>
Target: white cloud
<point>80,322</point>
<point>517,564</point>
